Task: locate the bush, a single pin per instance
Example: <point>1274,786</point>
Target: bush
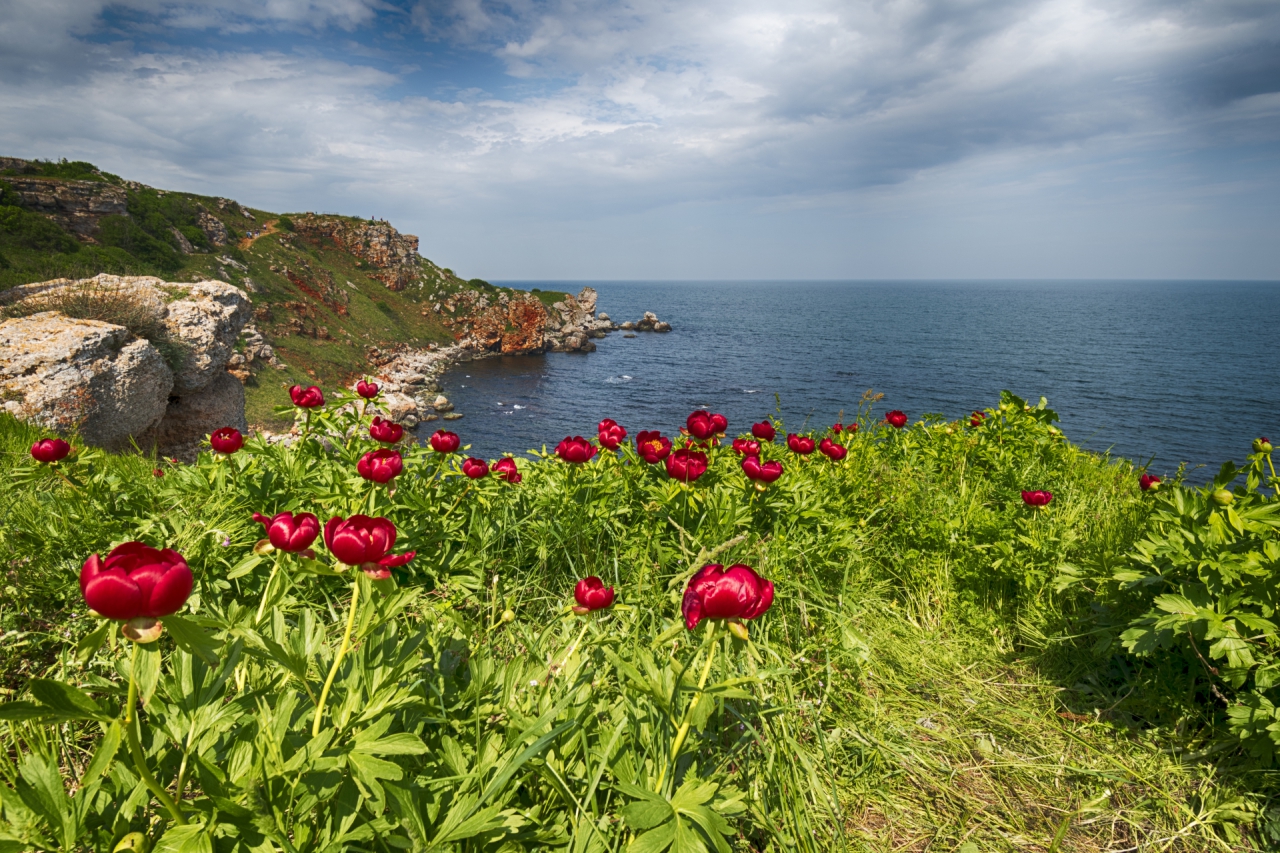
<point>22,229</point>
<point>285,223</point>
<point>123,233</point>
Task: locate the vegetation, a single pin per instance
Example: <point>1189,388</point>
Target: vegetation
<point>944,667</point>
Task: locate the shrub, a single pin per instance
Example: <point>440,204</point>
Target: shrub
<point>23,229</point>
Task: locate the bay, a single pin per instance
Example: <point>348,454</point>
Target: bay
<point>1167,371</point>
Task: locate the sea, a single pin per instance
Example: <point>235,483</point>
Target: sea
<point>1159,372</point>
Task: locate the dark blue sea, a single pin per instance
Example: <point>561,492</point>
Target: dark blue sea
<point>1169,371</point>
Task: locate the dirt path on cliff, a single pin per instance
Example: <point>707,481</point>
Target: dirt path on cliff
<point>269,228</point>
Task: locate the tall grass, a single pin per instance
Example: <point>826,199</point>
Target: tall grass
<point>917,685</point>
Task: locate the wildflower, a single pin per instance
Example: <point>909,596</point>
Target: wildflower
<point>156,472</point>
<point>834,452</point>
<point>896,419</point>
<point>611,434</point>
<point>764,431</point>
<point>837,428</point>
<point>575,449</point>
<point>766,472</point>
<point>746,447</point>
<point>591,594</point>
<point>1262,445</point>
<point>700,425</point>
<point>976,419</point>
<point>306,398</point>
<point>136,584</point>
<point>801,444</point>
<point>652,447</point>
<point>1148,481</point>
<point>1037,498</point>
<point>367,389</point>
<point>475,468</point>
<point>289,532</point>
<point>49,450</point>
<point>718,593</point>
<point>505,468</point>
<point>380,466</point>
<point>226,440</point>
<point>443,441</point>
<point>365,543</point>
<point>386,432</point>
<point>686,465</point>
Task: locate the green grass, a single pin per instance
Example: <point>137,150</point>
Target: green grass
<point>918,684</point>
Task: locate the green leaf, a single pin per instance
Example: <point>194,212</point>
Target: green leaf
<point>190,637</point>
<point>370,769</point>
<point>403,743</point>
<point>248,564</point>
<point>102,757</point>
<point>66,700</point>
<point>19,711</point>
<point>148,670</point>
<point>91,642</point>
<point>655,840</point>
<point>184,839</point>
<point>645,814</point>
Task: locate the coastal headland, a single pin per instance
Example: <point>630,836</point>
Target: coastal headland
<point>100,327</point>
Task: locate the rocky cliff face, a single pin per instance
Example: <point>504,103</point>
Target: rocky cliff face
<point>377,243</point>
<point>78,206</point>
<point>523,324</point>
<point>112,387</point>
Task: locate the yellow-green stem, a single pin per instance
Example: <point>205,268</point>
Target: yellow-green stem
<point>572,648</point>
<point>683,732</point>
<point>337,661</point>
<point>267,590</point>
<point>135,745</point>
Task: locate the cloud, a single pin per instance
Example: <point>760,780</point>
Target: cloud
<point>572,110</point>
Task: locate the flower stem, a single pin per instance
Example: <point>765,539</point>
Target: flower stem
<point>683,732</point>
<point>267,591</point>
<point>131,724</point>
<point>337,661</point>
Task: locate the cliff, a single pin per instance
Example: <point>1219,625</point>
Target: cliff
<point>326,291</point>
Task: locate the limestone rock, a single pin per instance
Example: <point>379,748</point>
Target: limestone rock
<point>442,404</point>
<point>400,408</point>
<point>189,419</point>
<point>661,326</point>
<point>83,375</point>
<point>78,206</point>
<point>452,416</point>
<point>213,228</point>
<point>208,319</point>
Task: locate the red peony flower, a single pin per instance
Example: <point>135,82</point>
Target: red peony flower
<point>766,472</point>
<point>380,466</point>
<point>474,468</point>
<point>592,594</point>
<point>896,419</point>
<point>686,465</point>
<point>50,450</point>
<point>719,423</point>
<point>719,593</point>
<point>366,543</point>
<point>367,389</point>
<point>976,419</point>
<point>575,449</point>
<point>306,398</point>
<point>289,532</point>
<point>226,440</point>
<point>834,452</point>
<point>837,428</point>
<point>443,441</point>
<point>611,434</point>
<point>1037,498</point>
<point>746,447</point>
<point>136,581</point>
<point>764,431</point>
<point>1148,481</point>
<point>386,432</point>
<point>652,447</point>
<point>700,425</point>
<point>157,472</point>
<point>505,468</point>
<point>802,444</point>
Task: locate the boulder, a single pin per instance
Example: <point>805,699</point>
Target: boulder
<point>190,418</point>
<point>400,408</point>
<point>442,404</point>
<point>627,326</point>
<point>603,317</point>
<point>661,326</point>
<point>207,319</point>
<point>82,375</point>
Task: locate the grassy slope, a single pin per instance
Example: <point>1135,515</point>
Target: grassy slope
<point>377,316</point>
<point>921,689</point>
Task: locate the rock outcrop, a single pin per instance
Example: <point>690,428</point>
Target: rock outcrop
<point>393,253</point>
<point>78,206</point>
<point>111,386</point>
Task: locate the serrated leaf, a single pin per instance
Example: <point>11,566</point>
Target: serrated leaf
<point>403,743</point>
<point>184,839</point>
<point>655,840</point>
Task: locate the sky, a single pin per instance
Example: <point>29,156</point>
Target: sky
<point>703,139</point>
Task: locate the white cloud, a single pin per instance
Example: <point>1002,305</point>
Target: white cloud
<point>616,109</point>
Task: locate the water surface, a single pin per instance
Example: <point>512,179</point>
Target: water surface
<point>1170,371</point>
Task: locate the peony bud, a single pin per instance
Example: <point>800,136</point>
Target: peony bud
<point>306,398</point>
<point>1222,497</point>
<point>367,389</point>
<point>474,468</point>
<point>289,532</point>
<point>386,432</point>
<point>443,441</point>
<point>505,469</point>
<point>365,542</point>
<point>591,594</point>
<point>896,419</point>
<point>764,431</point>
<point>719,593</point>
<point>1148,481</point>
<point>50,450</point>
<point>802,444</point>
<point>686,465</point>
